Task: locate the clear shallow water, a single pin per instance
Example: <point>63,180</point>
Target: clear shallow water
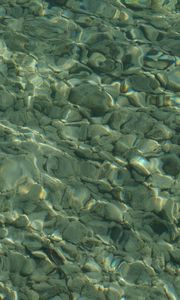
<point>89,162</point>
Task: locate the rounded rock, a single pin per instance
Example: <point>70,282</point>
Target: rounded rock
<point>141,165</point>
<point>143,83</point>
<point>96,59</point>
<point>174,79</point>
<point>139,273</point>
<point>75,232</point>
<point>92,97</point>
<point>171,164</point>
<point>108,211</point>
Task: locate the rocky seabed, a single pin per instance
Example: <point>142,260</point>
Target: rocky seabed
<point>89,150</point>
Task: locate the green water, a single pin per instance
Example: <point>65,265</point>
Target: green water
<point>89,150</point>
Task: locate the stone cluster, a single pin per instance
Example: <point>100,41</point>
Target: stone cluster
<point>89,150</point>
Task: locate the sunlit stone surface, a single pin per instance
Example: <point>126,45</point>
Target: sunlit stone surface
<point>89,149</point>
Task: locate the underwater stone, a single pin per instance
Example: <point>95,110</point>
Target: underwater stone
<point>92,97</point>
<point>56,2</point>
<point>150,32</point>
<point>132,59</point>
<point>108,211</point>
<point>139,4</point>
<point>171,164</point>
<point>32,242</point>
<point>61,91</point>
<point>148,146</point>
<point>32,295</point>
<point>17,261</point>
<point>96,59</point>
<point>3,232</point>
<point>140,164</point>
<point>160,132</point>
<point>6,100</point>
<point>75,232</point>
<point>139,273</point>
<point>117,118</point>
<point>175,253</point>
<point>143,83</point>
<point>161,181</point>
<point>78,196</point>
<point>174,79</point>
<point>13,170</point>
<point>21,221</point>
<point>89,163</point>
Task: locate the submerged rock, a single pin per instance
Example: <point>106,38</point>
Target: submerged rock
<point>89,149</point>
<point>92,97</point>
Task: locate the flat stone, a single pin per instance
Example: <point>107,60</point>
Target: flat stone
<point>174,79</point>
<point>92,97</point>
<point>75,232</point>
<point>161,181</point>
<point>143,83</point>
<point>108,211</point>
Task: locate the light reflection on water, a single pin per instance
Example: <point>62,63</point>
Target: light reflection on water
<point>85,35</point>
